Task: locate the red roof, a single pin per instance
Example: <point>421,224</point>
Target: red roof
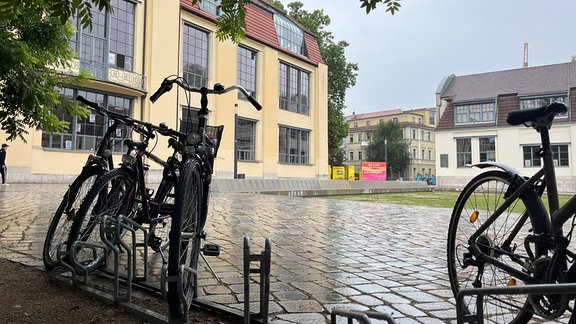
<point>260,27</point>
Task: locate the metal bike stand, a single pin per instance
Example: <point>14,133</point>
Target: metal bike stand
<point>264,270</point>
<point>360,316</point>
<point>547,289</point>
<point>111,229</point>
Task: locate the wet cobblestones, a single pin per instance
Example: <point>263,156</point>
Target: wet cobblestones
<point>326,254</point>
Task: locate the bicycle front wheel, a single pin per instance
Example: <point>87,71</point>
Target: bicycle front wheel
<point>185,240</point>
<point>59,228</point>
<point>112,195</point>
<point>503,241</point>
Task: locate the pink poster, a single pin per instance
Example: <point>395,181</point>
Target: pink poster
<point>374,171</point>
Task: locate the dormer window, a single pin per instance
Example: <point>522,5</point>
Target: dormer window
<point>290,36</point>
<point>213,7</point>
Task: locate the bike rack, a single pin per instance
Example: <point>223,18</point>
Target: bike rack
<point>264,259</point>
<point>504,290</point>
<point>127,267</point>
<point>361,316</point>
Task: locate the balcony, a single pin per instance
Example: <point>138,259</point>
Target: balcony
<point>106,73</point>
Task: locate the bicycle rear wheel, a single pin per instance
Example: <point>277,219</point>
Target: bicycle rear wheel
<point>112,195</point>
<point>477,202</point>
<point>185,240</point>
<point>59,228</point>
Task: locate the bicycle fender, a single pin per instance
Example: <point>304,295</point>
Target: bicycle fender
<point>504,167</point>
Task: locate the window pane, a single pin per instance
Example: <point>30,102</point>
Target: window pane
<point>245,140</point>
<point>463,152</point>
<point>195,56</point>
<point>246,70</point>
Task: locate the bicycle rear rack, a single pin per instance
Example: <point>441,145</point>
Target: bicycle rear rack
<point>504,290</point>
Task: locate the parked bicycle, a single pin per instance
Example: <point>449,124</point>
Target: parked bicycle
<point>192,198</point>
<point>501,233</point>
<point>97,164</point>
<point>123,192</point>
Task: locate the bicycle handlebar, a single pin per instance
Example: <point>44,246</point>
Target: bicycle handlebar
<point>218,89</point>
<point>144,128</point>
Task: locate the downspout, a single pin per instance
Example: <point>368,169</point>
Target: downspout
<point>143,97</point>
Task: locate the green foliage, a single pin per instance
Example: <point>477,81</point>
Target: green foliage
<point>31,43</point>
<point>341,75</point>
<point>391,5</point>
<point>231,24</point>
<point>388,145</point>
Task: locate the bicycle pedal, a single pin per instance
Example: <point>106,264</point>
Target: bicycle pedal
<point>211,250</point>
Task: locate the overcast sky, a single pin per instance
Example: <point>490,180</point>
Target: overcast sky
<point>403,58</point>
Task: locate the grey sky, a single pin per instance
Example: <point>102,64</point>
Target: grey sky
<point>403,58</point>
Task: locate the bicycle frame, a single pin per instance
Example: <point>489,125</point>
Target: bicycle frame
<point>551,222</point>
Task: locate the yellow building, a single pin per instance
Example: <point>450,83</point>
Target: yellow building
<point>417,129</point>
<point>131,51</point>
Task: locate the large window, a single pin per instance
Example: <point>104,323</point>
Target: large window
<point>85,134</point>
<point>290,36</point>
<point>487,149</point>
<point>475,113</point>
<point>195,56</point>
<point>247,70</point>
<point>294,145</point>
<point>532,159</point>
<point>245,140</point>
<point>294,88</point>
<point>463,152</point>
<point>110,42</point>
<point>537,102</point>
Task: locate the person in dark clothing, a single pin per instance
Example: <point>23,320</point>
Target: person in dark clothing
<point>3,167</point>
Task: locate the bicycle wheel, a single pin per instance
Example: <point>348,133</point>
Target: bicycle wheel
<point>113,194</point>
<point>479,199</point>
<point>185,240</point>
<point>59,228</point>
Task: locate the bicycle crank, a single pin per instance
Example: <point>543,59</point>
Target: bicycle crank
<point>549,306</point>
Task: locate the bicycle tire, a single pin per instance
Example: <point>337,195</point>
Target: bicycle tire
<point>113,194</point>
<point>480,197</point>
<point>184,250</point>
<point>61,223</point>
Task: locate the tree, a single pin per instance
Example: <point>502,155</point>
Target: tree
<point>388,146</point>
<point>341,75</point>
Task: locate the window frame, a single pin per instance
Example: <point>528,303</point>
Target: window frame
<point>463,152</point>
<point>246,73</point>
<point>298,102</point>
<point>487,151</point>
<point>302,151</point>
<point>246,145</point>
<point>195,68</point>
<point>84,135</point>
<point>484,111</point>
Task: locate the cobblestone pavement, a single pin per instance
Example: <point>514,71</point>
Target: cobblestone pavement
<point>326,253</point>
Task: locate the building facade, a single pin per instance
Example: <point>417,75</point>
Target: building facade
<point>417,129</point>
<point>472,127</point>
<point>131,50</point>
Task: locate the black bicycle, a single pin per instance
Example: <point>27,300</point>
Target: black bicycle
<point>96,165</point>
<point>501,234</point>
<point>122,192</point>
<point>192,198</point>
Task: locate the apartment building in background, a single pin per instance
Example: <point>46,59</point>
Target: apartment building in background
<point>131,50</point>
<point>417,129</point>
<point>472,124</point>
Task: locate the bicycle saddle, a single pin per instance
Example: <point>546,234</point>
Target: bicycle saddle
<point>547,113</point>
